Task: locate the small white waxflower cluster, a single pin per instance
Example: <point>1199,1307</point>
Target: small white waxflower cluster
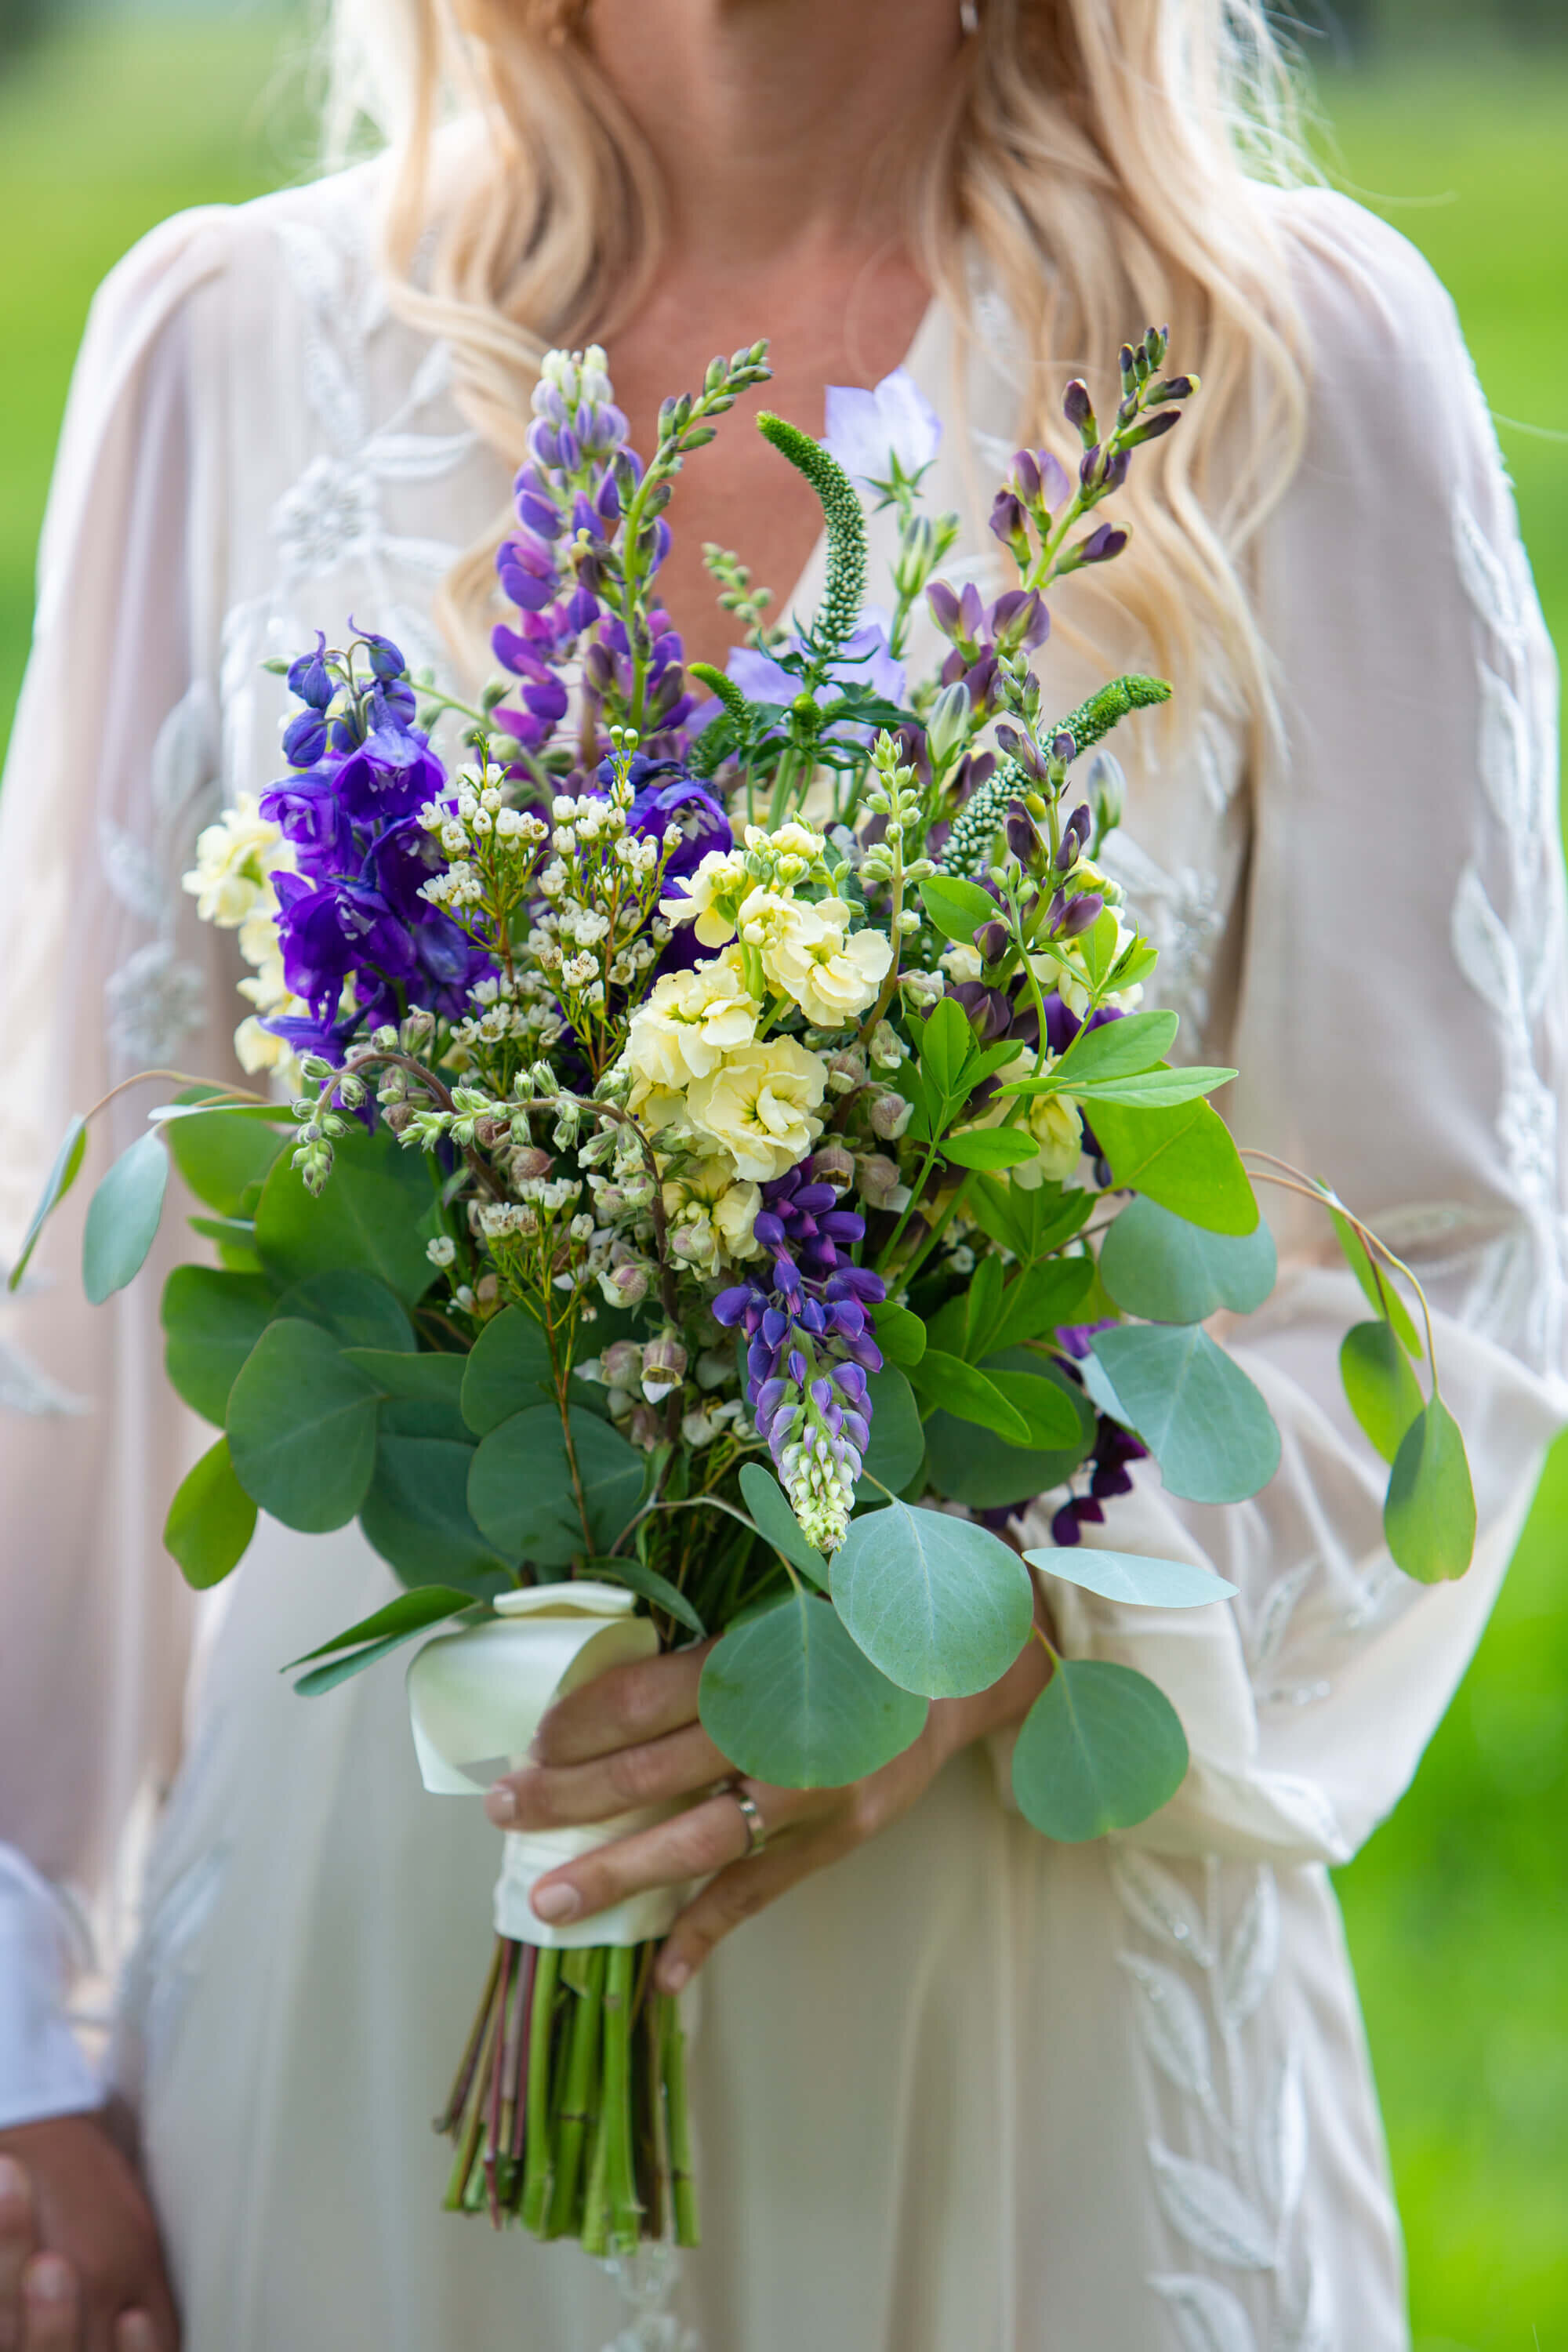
<point>490,849</point>
<point>602,887</point>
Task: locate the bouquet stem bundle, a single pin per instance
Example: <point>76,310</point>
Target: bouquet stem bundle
<point>569,2110</point>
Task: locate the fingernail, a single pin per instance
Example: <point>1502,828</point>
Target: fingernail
<point>501,1804</point>
<point>673,1974</point>
<point>49,2280</point>
<point>135,2334</point>
<point>555,1903</point>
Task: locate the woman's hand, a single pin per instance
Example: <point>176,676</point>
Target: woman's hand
<point>80,2266</point>
<point>632,1737</point>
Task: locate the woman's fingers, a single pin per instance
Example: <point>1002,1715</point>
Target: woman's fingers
<point>622,1708</point>
<point>51,2302</point>
<point>688,1845</point>
<point>134,2332</point>
<point>544,1797</point>
<point>739,1893</point>
<point>18,2244</point>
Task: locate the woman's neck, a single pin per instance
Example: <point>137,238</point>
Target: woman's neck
<point>772,121</point>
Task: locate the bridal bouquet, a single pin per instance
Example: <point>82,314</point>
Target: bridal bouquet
<point>732,1172</point>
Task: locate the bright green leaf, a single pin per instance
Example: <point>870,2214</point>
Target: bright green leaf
<point>1051,1416</point>
<point>1377,1286</point>
<point>211,1520</point>
<point>769,1506</point>
<point>1164,1267</point>
<point>958,908</point>
<point>900,1335</point>
<point>1113,1049</point>
<point>1182,1156</point>
<point>1131,1577</point>
<point>236,1241</point>
<point>1098,946</point>
<point>1040,1298</point>
<point>1200,1416</point>
<point>990,1147</point>
<point>212,1319</point>
<point>1429,1517</point>
<point>508,1367</point>
<point>983,1302</point>
<point>522,1496</point>
<point>1029,1224</point>
<point>1156,1090</point>
<point>946,1043</point>
<point>1101,1749</point>
<point>791,1700</point>
<point>975,1467</point>
<point>940,1605</point>
<point>301,1428</point>
<point>375,1637</point>
<point>958,1388</point>
<point>61,1176</point>
<point>122,1219</point>
<point>366,1219</point>
<point>898,1440</point>
<point>1383,1392</point>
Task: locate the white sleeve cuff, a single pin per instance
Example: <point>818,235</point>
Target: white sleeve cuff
<point>43,2069</point>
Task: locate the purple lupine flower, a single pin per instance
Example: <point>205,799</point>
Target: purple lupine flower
<point>1114,1448</point>
<point>812,1343</point>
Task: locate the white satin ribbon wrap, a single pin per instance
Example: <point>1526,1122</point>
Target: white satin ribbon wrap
<point>475,1700</point>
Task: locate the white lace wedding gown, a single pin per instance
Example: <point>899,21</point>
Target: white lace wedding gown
<point>969,2091</point>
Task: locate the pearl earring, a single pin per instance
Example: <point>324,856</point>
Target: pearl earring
<point>969,18</point>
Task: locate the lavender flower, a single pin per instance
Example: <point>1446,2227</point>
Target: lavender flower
<point>811,1344</point>
<point>863,661</point>
<point>882,437</point>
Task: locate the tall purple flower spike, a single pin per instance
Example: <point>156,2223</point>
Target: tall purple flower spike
<point>812,1342</point>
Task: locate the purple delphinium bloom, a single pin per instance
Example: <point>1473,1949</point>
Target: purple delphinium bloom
<point>1114,1449</point>
<point>812,1343</point>
<point>864,660</point>
<point>881,436</point>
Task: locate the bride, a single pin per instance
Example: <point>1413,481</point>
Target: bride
<point>960,2090</point>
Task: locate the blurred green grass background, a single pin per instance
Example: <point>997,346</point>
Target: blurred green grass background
<point>1457,1909</point>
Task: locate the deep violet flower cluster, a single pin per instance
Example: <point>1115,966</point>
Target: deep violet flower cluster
<point>982,635</point>
<point>812,1343</point>
<point>569,499</point>
<point>351,911</point>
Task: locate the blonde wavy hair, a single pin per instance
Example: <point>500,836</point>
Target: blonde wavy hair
<point>1104,156</point>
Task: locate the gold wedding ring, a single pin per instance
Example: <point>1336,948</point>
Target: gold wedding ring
<point>756,1828</point>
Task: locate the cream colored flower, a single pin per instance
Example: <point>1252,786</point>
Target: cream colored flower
<point>712,895</point>
<point>1056,1124</point>
<point>833,979</point>
<point>266,988</point>
<point>655,1107</point>
<point>734,1214</point>
<point>691,1022</point>
<point>234,858</point>
<point>758,1104</point>
<point>960,963</point>
<point>257,1048</point>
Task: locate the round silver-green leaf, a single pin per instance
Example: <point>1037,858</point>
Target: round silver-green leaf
<point>1200,1416</point>
<point>941,1606</point>
<point>301,1428</point>
<point>1101,1749</point>
<point>1161,1267</point>
<point>122,1218</point>
<point>508,1367</point>
<point>211,1520</point>
<point>791,1700</point>
<point>1131,1577</point>
<point>1429,1517</point>
<point>212,1319</point>
<point>521,1493</point>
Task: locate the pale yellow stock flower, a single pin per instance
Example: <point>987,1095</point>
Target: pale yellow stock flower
<point>760,1106</point>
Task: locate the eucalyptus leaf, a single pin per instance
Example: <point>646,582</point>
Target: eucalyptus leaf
<point>776,1523</point>
<point>1429,1515</point>
<point>62,1175</point>
<point>1101,1749</point>
<point>421,1394</point>
<point>1200,1416</point>
<point>940,1605</point>
<point>211,1520</point>
<point>221,1153</point>
<point>1144,1583</point>
<point>235,1238</point>
<point>212,1319</point>
<point>1383,1392</point>
<point>416,1516</point>
<point>900,1335</point>
<point>1184,1158</point>
<point>958,908</point>
<point>366,1219</point>
<point>122,1218</point>
<point>990,1147</point>
<point>975,1467</point>
<point>1377,1285</point>
<point>960,1389</point>
<point>1168,1270</point>
<point>302,1428</point>
<point>522,1493</point>
<point>648,1585</point>
<point>357,1309</point>
<point>507,1371</point>
<point>791,1700</point>
<point>1114,1048</point>
<point>898,1439</point>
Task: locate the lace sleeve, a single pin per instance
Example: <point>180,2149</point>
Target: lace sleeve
<point>1401,1030</point>
<point>102,968</point>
